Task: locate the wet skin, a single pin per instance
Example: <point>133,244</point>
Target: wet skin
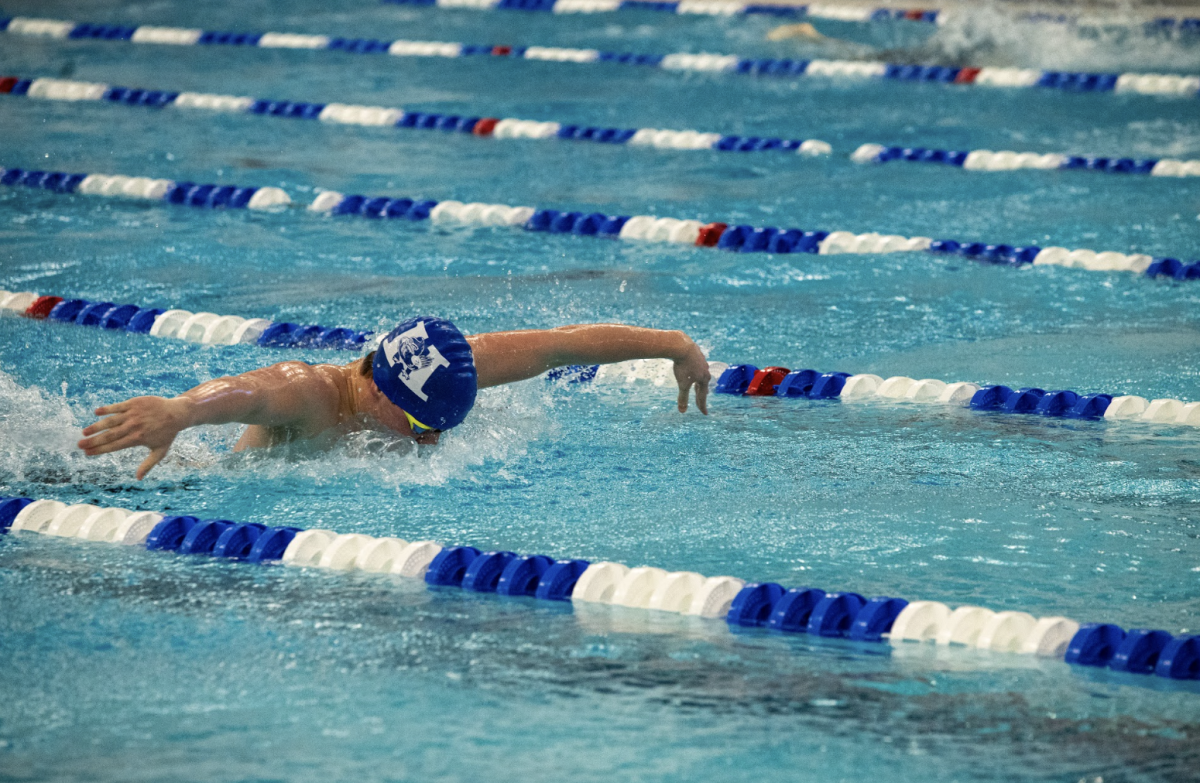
<point>293,400</point>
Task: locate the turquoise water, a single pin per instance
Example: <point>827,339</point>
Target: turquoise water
<point>131,665</point>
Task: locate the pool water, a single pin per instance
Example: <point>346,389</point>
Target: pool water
<point>125,665</point>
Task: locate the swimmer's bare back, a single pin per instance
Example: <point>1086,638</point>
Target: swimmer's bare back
<point>294,400</point>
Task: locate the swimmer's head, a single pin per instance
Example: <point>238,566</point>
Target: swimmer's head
<point>425,367</point>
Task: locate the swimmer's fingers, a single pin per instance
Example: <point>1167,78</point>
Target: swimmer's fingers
<point>116,407</point>
<point>156,456</point>
<point>685,388</point>
<point>104,424</point>
<point>692,370</point>
<point>103,437</point>
<point>125,440</point>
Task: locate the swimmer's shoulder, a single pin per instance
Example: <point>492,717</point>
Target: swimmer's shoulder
<point>311,376</point>
<point>319,392</point>
<point>323,393</point>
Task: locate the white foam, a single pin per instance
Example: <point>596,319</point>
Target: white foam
<point>39,431</point>
<point>989,32</point>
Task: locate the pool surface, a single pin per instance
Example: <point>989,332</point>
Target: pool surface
<point>125,664</point>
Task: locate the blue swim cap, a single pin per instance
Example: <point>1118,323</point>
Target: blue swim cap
<point>425,366</point>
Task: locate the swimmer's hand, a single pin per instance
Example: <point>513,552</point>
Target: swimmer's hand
<point>692,370</point>
<point>152,422</point>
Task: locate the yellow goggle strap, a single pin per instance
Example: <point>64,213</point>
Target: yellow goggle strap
<point>417,426</point>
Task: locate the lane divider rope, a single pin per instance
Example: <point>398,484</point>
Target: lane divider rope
<point>1162,24</point>
<point>1167,85</point>
<point>382,116</point>
<point>743,379</point>
<point>692,7</point>
<point>740,603</point>
<point>121,186</point>
<point>748,380</point>
<point>814,11</point>
<point>748,239</point>
<point>202,327</point>
<point>512,128</point>
<point>645,228</point>
<point>1007,160</point>
<point>1167,23</point>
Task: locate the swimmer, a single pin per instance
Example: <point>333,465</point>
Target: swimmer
<point>421,381</point>
<point>804,31</point>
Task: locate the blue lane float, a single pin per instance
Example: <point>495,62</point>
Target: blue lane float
<point>741,605</point>
<point>791,612</point>
<point>753,604</point>
<point>208,328</point>
<point>837,613</point>
<point>1158,26</point>
<point>1006,160</point>
<point>483,572</point>
<point>169,191</point>
<point>378,116</point>
<point>876,618</point>
<point>745,238</point>
<point>522,574</point>
<point>749,380</point>
<point>1167,85</point>
<point>689,7</point>
<point>238,540</point>
<point>450,566</point>
<point>735,380</point>
<point>642,228</point>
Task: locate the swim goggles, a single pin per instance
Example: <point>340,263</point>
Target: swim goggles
<point>417,427</point>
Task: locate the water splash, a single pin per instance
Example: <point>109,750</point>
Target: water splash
<point>987,36</point>
<point>499,431</point>
<point>39,430</point>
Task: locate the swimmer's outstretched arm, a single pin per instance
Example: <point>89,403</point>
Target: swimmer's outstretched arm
<point>505,357</point>
<point>291,394</point>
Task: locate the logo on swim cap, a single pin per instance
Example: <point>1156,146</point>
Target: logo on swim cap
<point>425,366</point>
<point>413,357</point>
